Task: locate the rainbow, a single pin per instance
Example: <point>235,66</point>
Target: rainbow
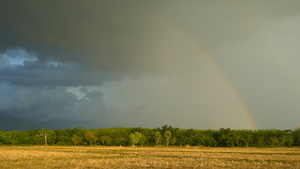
<point>216,68</point>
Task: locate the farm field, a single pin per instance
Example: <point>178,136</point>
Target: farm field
<point>146,157</point>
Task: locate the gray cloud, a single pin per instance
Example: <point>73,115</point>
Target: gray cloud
<point>45,73</point>
<point>44,103</point>
<point>108,35</point>
<point>19,67</point>
<point>149,59</point>
<point>4,63</point>
<point>263,69</point>
<point>130,36</point>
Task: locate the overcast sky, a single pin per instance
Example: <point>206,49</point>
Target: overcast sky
<point>128,63</point>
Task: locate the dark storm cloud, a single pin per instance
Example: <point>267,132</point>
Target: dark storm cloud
<point>107,34</point>
<point>104,43</point>
<point>127,35</point>
<point>44,103</point>
<point>54,74</point>
<point>4,63</point>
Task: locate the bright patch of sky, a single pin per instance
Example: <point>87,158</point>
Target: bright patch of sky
<point>54,63</point>
<point>76,91</point>
<point>81,91</point>
<point>18,56</point>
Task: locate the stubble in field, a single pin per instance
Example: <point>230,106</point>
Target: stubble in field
<point>147,157</point>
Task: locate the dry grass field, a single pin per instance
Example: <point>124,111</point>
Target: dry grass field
<point>147,157</point>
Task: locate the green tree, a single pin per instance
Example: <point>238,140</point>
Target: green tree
<point>63,136</point>
<point>157,137</point>
<point>108,140</point>
<point>90,137</point>
<point>168,135</point>
<point>135,138</point>
<point>210,141</point>
<point>5,138</point>
<point>45,133</point>
<point>79,131</point>
<point>246,139</point>
<point>289,141</point>
<point>273,141</point>
<point>105,140</point>
<point>173,141</point>
<point>76,139</point>
<point>121,141</point>
<point>132,139</point>
<point>143,140</point>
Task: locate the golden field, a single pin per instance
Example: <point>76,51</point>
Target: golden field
<point>147,157</point>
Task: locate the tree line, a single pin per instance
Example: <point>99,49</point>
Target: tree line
<point>164,136</point>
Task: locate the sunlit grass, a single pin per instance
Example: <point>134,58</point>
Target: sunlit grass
<point>142,157</point>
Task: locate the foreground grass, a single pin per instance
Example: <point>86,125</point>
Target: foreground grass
<point>147,157</point>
